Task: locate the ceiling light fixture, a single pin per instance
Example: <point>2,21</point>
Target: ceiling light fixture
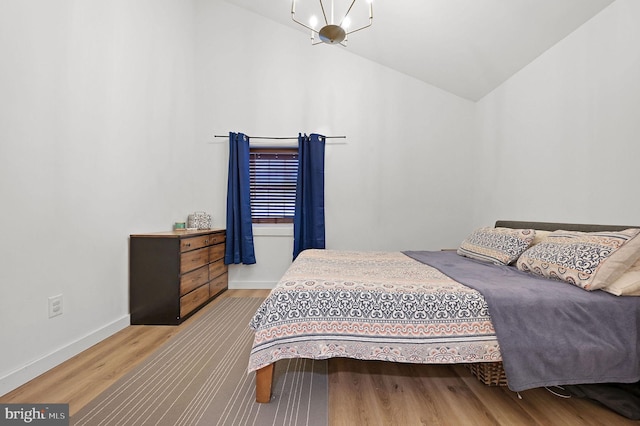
<point>332,33</point>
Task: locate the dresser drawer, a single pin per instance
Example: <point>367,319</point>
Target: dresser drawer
<point>218,284</point>
<point>216,252</point>
<point>193,280</point>
<point>218,238</point>
<point>193,243</point>
<point>217,268</point>
<point>192,300</point>
<point>193,259</point>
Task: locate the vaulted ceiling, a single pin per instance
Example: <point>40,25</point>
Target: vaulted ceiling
<point>466,47</point>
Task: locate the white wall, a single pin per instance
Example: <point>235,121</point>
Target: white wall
<point>398,182</point>
<point>559,140</point>
<point>106,121</point>
<point>96,120</point>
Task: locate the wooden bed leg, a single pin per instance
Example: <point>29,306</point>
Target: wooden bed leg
<point>264,379</point>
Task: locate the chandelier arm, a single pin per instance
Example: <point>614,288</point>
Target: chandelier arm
<point>370,20</point>
<point>326,22</point>
<point>347,14</point>
<point>302,23</point>
<point>361,28</point>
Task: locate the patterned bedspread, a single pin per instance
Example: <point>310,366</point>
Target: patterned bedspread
<point>371,306</point>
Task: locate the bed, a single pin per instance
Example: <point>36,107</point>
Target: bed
<point>454,307</point>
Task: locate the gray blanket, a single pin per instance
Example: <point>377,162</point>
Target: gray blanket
<point>550,332</point>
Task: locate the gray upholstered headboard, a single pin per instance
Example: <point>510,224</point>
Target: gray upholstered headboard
<point>552,226</point>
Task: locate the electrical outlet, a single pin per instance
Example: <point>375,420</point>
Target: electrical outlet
<point>55,306</point>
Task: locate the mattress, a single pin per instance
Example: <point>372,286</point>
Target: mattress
<point>371,306</point>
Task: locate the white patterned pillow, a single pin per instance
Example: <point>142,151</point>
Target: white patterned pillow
<point>496,245</point>
<point>540,235</point>
<point>589,260</point>
<point>628,284</point>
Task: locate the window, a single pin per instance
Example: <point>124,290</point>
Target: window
<point>273,175</point>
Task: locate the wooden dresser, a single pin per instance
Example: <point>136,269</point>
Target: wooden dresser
<point>172,274</point>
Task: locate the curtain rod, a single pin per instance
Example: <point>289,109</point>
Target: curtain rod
<point>278,137</point>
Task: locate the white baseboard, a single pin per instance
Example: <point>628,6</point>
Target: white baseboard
<point>251,285</point>
<point>32,370</point>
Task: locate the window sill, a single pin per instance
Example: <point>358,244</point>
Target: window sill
<point>273,230</point>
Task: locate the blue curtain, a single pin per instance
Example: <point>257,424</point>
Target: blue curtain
<point>239,244</point>
<point>308,220</point>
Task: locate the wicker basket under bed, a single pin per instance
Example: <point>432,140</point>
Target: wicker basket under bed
<point>489,373</point>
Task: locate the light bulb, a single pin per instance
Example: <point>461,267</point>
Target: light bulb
<point>313,21</point>
<point>346,22</point>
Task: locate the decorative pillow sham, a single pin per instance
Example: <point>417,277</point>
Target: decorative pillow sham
<point>540,235</point>
<point>628,284</point>
<point>496,245</point>
<point>589,260</point>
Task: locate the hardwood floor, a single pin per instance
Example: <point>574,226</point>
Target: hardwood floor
<point>83,377</point>
<point>360,392</point>
<point>382,393</point>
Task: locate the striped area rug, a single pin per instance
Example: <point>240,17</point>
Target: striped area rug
<point>199,377</point>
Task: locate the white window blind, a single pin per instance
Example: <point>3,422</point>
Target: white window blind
<point>273,176</point>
